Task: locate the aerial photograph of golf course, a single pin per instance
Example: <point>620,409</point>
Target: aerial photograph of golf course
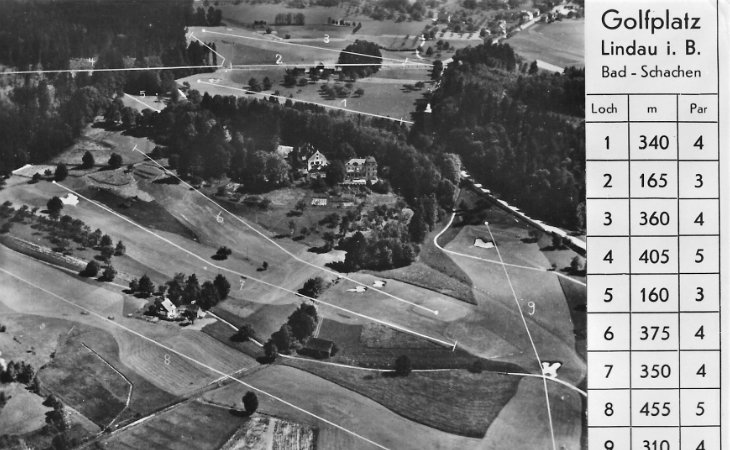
<point>292,224</point>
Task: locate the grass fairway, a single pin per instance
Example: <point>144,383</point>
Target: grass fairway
<point>192,425</point>
<point>425,276</point>
<point>576,297</point>
<point>524,423</point>
<point>455,401</point>
<point>148,214</point>
<point>377,346</point>
<point>342,406</point>
<point>558,43</point>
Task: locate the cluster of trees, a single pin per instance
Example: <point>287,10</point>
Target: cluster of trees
<point>195,134</point>
<point>200,17</point>
<point>59,423</point>
<point>94,269</point>
<point>42,114</point>
<point>394,236</point>
<point>291,336</point>
<point>314,287</point>
<point>182,291</point>
<point>382,250</point>
<point>51,33</point>
<point>63,230</point>
<point>144,287</point>
<point>520,134</point>
<point>17,372</point>
<point>399,10</point>
<point>361,52</point>
<point>289,19</point>
<point>254,85</point>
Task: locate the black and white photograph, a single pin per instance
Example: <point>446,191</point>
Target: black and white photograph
<point>353,224</point>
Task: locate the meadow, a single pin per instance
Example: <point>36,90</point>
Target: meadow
<point>455,401</point>
<point>558,43</point>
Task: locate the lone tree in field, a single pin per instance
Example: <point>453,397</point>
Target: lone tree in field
<point>109,273</point>
<point>87,161</point>
<point>106,241</point>
<point>54,205</point>
<point>313,287</point>
<point>106,253</point>
<point>91,270</point>
<point>250,402</point>
<point>223,253</point>
<point>254,85</point>
<point>245,333</point>
<point>115,161</point>
<point>208,296</point>
<point>61,172</point>
<point>270,350</point>
<point>222,285</point>
<point>146,286</point>
<point>361,52</point>
<point>578,264</point>
<point>402,366</point>
<point>437,70</point>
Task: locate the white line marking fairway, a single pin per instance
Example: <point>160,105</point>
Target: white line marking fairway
<point>529,335</point>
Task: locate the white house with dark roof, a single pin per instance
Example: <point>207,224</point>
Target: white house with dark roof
<point>316,165</point>
<point>361,170</point>
<point>168,309</point>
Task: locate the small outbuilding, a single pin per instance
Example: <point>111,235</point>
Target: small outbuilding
<point>318,348</point>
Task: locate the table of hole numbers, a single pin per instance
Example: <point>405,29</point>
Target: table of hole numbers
<point>653,221</point>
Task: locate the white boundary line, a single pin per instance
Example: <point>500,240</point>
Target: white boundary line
<point>529,335</point>
<point>287,252</point>
<point>294,100</point>
<point>195,361</point>
<point>123,69</point>
<point>382,58</point>
<point>303,65</point>
<point>249,277</point>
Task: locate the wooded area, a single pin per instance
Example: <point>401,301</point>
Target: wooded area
<point>519,132</point>
<point>40,115</point>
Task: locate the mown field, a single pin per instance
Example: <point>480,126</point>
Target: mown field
<point>524,420</point>
<point>559,43</point>
<point>340,405</point>
<point>191,425</point>
<point>455,401</point>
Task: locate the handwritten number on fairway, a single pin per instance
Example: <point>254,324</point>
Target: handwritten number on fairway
<point>531,305</point>
<point>279,59</point>
<point>167,359</point>
<point>326,38</point>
